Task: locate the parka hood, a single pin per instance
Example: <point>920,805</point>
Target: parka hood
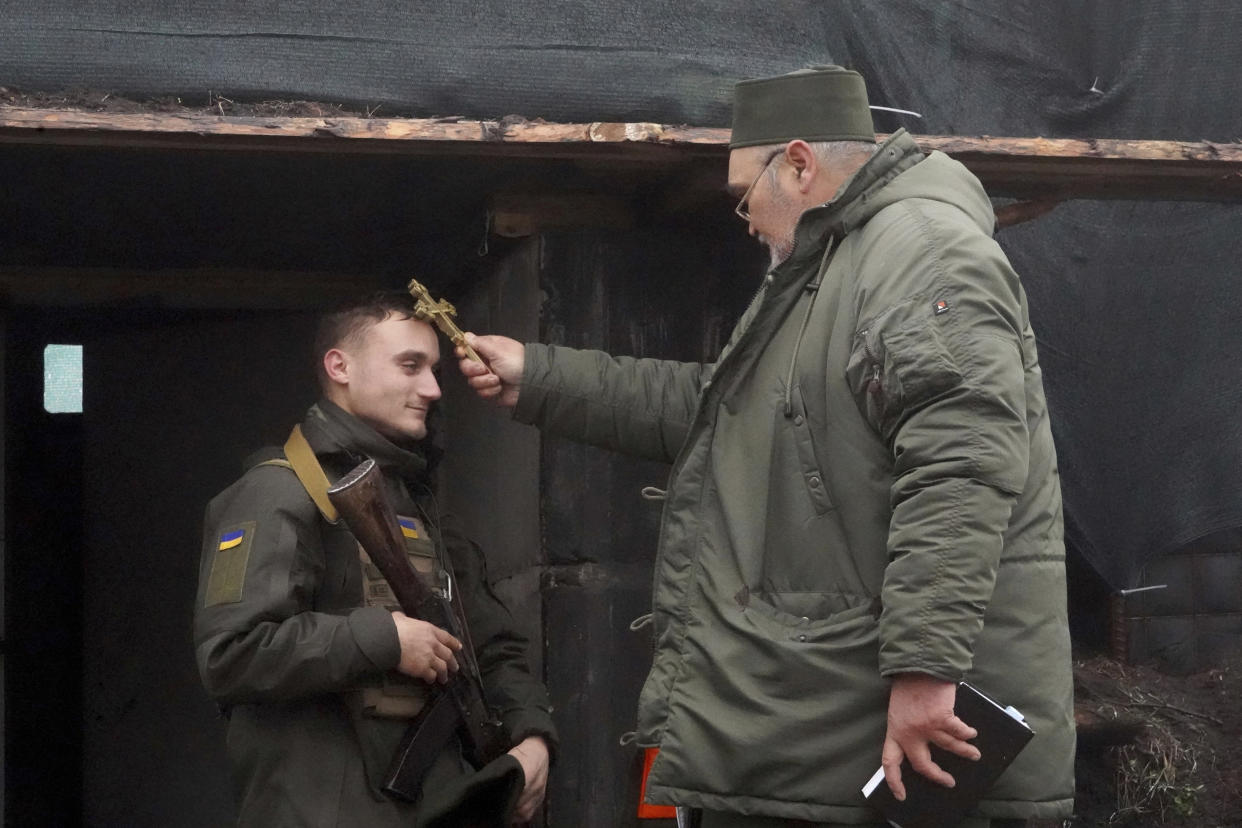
<point>897,171</point>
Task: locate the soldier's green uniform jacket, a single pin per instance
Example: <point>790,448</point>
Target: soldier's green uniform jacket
<point>285,644</point>
<point>863,484</point>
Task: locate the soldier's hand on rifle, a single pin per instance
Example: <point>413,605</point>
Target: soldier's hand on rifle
<point>499,376</point>
<point>427,652</point>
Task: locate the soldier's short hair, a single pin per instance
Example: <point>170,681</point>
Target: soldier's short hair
<point>345,324</point>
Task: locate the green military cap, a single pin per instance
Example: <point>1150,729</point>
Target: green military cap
<point>821,103</point>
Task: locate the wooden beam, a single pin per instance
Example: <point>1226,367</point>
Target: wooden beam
<point>1044,169</point>
<point>1027,168</point>
<point>417,136</point>
<point>516,215</point>
<point>1021,211</point>
<point>199,289</point>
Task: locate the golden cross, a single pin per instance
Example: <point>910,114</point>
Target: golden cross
<point>441,315</point>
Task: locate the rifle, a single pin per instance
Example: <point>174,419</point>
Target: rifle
<point>458,705</point>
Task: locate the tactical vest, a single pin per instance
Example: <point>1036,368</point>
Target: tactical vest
<point>397,697</point>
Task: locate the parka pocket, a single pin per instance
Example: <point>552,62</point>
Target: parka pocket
<point>918,359</point>
<point>803,611</point>
<point>900,361</point>
<point>792,693</point>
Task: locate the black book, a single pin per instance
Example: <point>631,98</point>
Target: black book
<point>1002,735</point>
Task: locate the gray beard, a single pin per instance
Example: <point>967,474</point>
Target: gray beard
<point>778,253</point>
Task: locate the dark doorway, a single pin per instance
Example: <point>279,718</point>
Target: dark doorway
<point>43,584</point>
<point>106,723</point>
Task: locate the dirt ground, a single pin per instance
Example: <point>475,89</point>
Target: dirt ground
<point>1156,749</point>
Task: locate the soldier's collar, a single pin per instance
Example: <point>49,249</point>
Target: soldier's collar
<point>330,430</point>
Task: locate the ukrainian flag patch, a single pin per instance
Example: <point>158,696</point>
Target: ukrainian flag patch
<point>228,564</point>
<point>408,527</point>
<point>230,539</point>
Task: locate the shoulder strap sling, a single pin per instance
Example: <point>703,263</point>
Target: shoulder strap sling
<point>306,466</point>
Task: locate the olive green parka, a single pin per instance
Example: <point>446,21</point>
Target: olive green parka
<point>863,484</point>
<point>285,644</point>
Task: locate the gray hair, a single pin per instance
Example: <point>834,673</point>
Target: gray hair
<point>836,153</point>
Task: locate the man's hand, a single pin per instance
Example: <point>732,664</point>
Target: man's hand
<point>501,378</point>
<point>426,650</point>
<point>532,755</point>
<point>920,713</point>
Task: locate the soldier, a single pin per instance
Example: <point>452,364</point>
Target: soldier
<point>296,633</point>
<point>864,505</point>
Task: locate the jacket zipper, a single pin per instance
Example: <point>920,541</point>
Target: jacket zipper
<point>873,382</point>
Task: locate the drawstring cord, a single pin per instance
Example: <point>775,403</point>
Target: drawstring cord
<point>813,288</point>
<point>640,622</point>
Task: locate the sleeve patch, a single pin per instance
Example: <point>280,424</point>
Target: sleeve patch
<point>228,568</point>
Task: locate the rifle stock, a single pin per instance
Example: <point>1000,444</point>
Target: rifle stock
<point>359,498</point>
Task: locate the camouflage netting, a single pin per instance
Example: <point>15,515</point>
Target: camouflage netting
<point>1133,301</point>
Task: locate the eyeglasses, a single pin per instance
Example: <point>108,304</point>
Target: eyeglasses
<point>742,208</point>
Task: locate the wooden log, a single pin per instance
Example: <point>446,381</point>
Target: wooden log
<point>419,136</point>
<point>1043,169</point>
<point>1028,168</point>
<point>1012,214</point>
